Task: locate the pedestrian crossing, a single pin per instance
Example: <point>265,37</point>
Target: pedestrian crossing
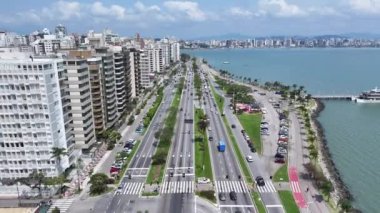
<point>173,187</point>
<point>268,188</point>
<point>132,188</point>
<point>295,186</point>
<point>228,186</point>
<point>62,204</point>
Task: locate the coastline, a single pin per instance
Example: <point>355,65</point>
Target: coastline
<point>325,160</point>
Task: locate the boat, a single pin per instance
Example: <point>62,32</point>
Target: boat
<point>372,96</point>
<point>226,62</point>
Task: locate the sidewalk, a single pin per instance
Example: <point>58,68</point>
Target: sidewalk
<point>297,158</point>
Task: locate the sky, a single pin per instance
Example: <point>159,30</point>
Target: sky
<point>195,19</point>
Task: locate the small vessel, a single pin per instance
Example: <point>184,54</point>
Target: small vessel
<point>226,62</point>
<point>372,96</point>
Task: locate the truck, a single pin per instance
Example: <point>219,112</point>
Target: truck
<point>221,146</point>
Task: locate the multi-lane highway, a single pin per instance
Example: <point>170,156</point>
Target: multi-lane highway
<point>227,173</point>
<point>177,190</point>
<point>268,192</point>
<point>131,186</point>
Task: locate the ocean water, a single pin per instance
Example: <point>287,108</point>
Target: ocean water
<point>352,130</point>
<point>322,71</point>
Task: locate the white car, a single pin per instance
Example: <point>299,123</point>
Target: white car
<point>209,128</point>
<point>119,190</point>
<point>249,158</point>
<point>203,180</point>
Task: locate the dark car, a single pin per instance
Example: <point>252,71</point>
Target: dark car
<point>260,181</point>
<point>233,126</point>
<point>210,138</point>
<point>253,149</point>
<point>279,158</point>
<point>243,131</point>
<point>250,145</point>
<point>233,195</point>
<point>222,197</point>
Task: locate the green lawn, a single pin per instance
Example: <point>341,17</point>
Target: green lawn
<point>259,204</point>
<point>202,154</point>
<point>288,201</point>
<point>281,174</point>
<point>251,124</point>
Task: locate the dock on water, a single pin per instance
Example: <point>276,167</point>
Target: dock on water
<point>335,97</point>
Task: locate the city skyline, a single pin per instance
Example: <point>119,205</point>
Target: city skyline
<point>192,19</point>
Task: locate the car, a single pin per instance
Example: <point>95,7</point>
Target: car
<point>222,196</point>
<point>282,150</point>
<point>210,138</point>
<point>242,131</point>
<point>249,158</point>
<point>128,151</point>
<point>203,180</point>
<point>260,181</point>
<point>119,189</point>
<point>250,145</point>
<point>233,195</point>
<point>233,126</point>
<point>171,173</point>
<point>209,128</point>
<point>253,149</point>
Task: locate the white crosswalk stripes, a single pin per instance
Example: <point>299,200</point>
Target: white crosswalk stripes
<point>132,188</point>
<point>269,187</point>
<point>295,186</point>
<point>62,204</point>
<point>228,186</point>
<point>179,187</point>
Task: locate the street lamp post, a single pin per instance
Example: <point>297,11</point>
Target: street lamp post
<point>18,194</point>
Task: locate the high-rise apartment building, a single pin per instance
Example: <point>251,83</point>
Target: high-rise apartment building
<point>109,86</point>
<point>79,94</point>
<point>33,116</point>
<point>120,81</point>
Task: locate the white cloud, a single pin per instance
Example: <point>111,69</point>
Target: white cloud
<point>63,10</point>
<point>237,11</point>
<point>279,8</point>
<point>191,9</point>
<point>117,11</point>
<point>371,7</point>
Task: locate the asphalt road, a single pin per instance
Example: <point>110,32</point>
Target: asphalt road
<point>131,188</point>
<point>177,189</point>
<point>225,164</point>
<point>258,167</point>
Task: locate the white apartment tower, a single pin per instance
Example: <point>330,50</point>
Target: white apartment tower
<point>32,116</point>
<point>79,93</point>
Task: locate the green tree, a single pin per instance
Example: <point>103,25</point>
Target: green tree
<point>327,188</point>
<point>34,180</point>
<point>313,154</point>
<point>345,205</point>
<point>56,210</point>
<point>57,154</point>
<point>98,183</point>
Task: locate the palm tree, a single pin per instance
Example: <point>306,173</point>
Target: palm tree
<point>57,153</point>
<point>313,154</point>
<point>327,188</point>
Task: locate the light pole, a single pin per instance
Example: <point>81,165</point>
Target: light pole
<point>18,194</point>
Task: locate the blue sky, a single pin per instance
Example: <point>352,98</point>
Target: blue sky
<point>191,19</point>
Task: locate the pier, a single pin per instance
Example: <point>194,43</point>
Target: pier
<point>335,97</point>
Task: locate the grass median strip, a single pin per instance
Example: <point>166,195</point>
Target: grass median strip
<point>259,204</point>
<point>156,170</point>
<point>202,154</point>
<point>281,174</point>
<point>251,124</point>
<point>288,201</point>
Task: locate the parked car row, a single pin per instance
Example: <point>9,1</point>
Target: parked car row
<point>122,156</point>
<point>140,128</point>
<point>249,142</point>
<point>283,138</point>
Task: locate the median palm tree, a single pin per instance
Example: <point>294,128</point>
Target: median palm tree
<point>57,154</point>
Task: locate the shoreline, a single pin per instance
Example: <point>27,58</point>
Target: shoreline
<point>325,160</point>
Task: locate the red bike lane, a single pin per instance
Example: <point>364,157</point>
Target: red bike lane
<point>296,189</point>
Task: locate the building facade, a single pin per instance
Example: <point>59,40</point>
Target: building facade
<point>32,117</point>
